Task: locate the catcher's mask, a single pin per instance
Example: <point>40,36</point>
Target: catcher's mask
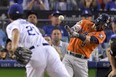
<point>102,21</point>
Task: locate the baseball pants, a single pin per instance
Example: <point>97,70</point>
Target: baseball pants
<point>76,67</point>
<point>45,58</point>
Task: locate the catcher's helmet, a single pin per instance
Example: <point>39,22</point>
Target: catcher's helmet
<point>103,20</point>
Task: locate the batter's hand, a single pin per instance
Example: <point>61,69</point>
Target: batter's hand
<point>70,31</point>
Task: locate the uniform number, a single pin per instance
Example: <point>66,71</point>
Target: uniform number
<point>31,30</point>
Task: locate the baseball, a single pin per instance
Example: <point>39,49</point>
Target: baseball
<point>61,17</point>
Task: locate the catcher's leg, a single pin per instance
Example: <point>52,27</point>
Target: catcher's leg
<point>55,67</point>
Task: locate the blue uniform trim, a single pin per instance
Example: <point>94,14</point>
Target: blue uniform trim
<point>44,44</point>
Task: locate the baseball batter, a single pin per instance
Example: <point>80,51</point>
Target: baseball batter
<point>24,34</point>
<point>86,36</point>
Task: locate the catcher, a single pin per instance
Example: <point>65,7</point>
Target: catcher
<point>111,51</point>
<point>112,56</point>
<point>85,37</point>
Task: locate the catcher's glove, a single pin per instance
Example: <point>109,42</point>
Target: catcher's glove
<point>22,55</point>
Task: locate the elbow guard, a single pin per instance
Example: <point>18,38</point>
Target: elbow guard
<point>80,36</point>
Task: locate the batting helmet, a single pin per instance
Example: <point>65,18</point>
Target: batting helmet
<point>103,20</point>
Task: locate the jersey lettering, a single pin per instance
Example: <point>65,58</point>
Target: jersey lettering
<point>31,30</point>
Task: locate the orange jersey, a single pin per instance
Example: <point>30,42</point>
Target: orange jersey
<point>78,46</point>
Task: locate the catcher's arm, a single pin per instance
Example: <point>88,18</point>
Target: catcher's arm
<point>15,39</point>
<point>110,57</point>
<point>111,60</point>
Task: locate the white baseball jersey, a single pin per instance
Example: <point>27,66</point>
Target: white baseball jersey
<point>44,57</point>
<point>29,34</point>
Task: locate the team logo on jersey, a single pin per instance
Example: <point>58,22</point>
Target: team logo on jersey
<point>101,36</point>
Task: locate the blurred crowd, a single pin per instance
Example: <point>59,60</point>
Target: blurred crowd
<point>54,32</point>
<point>5,53</point>
<point>94,5</point>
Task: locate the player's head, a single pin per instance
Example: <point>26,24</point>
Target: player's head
<point>102,22</point>
<point>15,11</point>
<point>113,45</point>
<point>32,17</point>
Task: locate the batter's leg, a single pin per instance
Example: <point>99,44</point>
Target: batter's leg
<point>80,67</point>
<point>67,62</point>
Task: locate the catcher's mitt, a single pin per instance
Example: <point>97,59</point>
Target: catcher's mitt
<point>23,55</point>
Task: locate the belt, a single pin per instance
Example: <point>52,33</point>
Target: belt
<point>44,44</point>
<point>77,55</point>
